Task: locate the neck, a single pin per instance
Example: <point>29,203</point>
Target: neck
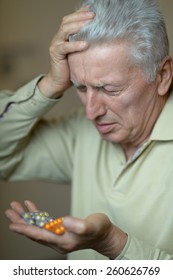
<point>129,150</point>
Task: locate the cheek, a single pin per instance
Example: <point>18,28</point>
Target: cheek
<point>132,100</point>
<point>120,106</point>
<point>125,110</point>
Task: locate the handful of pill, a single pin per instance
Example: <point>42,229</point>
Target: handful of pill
<point>43,219</point>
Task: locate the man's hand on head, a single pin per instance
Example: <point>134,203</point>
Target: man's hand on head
<point>58,79</point>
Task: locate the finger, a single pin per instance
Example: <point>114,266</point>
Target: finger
<point>84,8</point>
<point>73,23</point>
<point>35,233</point>
<point>69,29</point>
<point>17,206</point>
<point>67,48</point>
<point>92,225</point>
<point>13,216</point>
<point>31,206</point>
<point>78,16</point>
<point>75,225</point>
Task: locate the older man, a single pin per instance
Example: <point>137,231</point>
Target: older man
<point>119,158</point>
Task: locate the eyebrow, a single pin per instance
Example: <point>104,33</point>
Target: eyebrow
<point>101,85</point>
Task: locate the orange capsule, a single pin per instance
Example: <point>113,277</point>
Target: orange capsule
<point>47,226</point>
<point>57,230</point>
<point>55,226</point>
<point>62,229</point>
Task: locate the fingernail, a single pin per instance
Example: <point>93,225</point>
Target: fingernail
<point>90,14</point>
<point>26,203</point>
<point>7,214</point>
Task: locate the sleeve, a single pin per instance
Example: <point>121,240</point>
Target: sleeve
<point>32,148</point>
<point>136,249</point>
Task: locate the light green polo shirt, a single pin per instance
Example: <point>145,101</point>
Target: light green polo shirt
<point>136,195</point>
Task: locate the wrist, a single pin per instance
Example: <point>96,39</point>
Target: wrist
<point>117,242</point>
<point>49,88</point>
<point>112,243</point>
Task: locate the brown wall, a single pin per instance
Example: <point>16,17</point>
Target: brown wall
<point>26,28</point>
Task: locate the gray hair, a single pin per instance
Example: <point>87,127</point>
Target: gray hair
<point>139,23</point>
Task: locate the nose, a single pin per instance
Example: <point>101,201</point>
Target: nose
<point>94,105</point>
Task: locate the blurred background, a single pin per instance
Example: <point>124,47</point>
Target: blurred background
<point>26,29</point>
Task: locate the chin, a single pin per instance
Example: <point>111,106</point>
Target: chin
<point>112,138</point>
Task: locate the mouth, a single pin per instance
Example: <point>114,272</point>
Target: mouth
<point>105,128</point>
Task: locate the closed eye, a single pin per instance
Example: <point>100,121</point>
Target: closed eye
<point>111,92</point>
<point>81,88</point>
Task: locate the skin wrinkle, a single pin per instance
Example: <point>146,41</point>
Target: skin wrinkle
<point>133,109</point>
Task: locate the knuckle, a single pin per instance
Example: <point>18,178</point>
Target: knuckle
<point>62,28</point>
<point>63,31</point>
<point>52,49</point>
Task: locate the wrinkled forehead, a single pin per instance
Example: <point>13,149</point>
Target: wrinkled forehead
<point>99,64</point>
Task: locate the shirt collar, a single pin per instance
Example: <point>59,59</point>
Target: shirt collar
<point>163,129</point>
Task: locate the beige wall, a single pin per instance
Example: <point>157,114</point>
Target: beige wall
<point>167,8</point>
<point>26,28</point>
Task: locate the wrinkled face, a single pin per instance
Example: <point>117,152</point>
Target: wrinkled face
<point>116,96</point>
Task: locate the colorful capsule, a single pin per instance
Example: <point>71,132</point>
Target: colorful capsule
<point>55,226</point>
<point>43,219</point>
<point>37,218</point>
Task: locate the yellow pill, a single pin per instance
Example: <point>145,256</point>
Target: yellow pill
<point>41,224</point>
<point>27,215</point>
<point>46,214</point>
<point>37,217</point>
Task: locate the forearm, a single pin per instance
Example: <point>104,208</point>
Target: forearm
<point>111,243</point>
<point>19,112</point>
<point>136,249</point>
<point>124,247</point>
<point>116,244</point>
<point>49,88</point>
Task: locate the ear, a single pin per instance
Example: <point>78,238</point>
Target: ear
<point>165,75</point>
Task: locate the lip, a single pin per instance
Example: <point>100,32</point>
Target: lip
<point>104,128</point>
